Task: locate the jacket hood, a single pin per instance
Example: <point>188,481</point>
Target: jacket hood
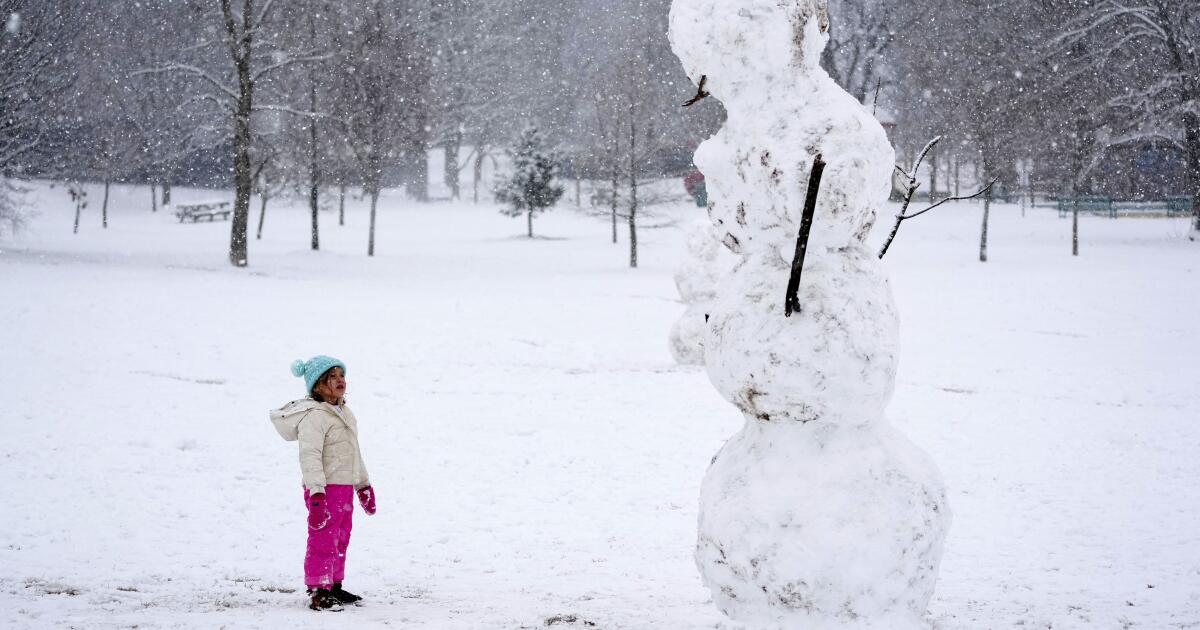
<point>287,418</point>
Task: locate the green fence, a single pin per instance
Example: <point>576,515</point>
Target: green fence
<point>1087,203</point>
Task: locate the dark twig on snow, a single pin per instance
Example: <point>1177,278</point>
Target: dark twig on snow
<point>875,104</point>
<point>791,303</point>
<point>911,188</point>
<point>700,93</point>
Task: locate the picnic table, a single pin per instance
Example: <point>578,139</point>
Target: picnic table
<point>210,210</point>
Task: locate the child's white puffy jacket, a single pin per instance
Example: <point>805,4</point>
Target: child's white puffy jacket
<point>328,437</point>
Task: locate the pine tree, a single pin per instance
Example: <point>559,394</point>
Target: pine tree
<point>531,188</point>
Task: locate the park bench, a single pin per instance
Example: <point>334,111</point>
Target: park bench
<point>1179,206</point>
<point>1087,203</point>
<point>210,210</point>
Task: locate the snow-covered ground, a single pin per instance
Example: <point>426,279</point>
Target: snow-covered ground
<point>536,451</point>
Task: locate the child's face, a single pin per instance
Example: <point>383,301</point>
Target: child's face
<point>333,387</point>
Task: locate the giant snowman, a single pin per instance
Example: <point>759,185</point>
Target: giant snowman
<point>817,514</point>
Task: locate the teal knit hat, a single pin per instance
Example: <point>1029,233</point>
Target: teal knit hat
<point>312,369</point>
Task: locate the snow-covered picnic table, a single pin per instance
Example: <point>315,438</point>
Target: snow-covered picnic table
<point>210,210</point>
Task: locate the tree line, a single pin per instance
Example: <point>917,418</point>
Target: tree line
<point>314,97</point>
<point>1084,96</point>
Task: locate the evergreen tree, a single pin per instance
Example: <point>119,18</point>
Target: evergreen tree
<point>531,187</point>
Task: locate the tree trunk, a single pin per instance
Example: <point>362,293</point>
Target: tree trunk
<point>987,206</point>
<point>450,165</point>
<point>371,232</point>
<point>238,252</point>
<point>78,210</point>
<point>615,184</point>
<point>1189,94</point>
<point>1075,228</point>
<point>342,203</point>
<point>262,213</point>
<point>956,188</point>
<point>616,176</point>
<point>1082,147</point>
<point>1029,183</point>
<point>933,173</point>
<point>1022,184</point>
<point>633,205</point>
<point>1191,125</point>
<point>633,226</point>
<point>166,194</point>
<point>153,198</point>
<point>314,166</point>
<point>241,47</point>
<point>529,220</point>
<point>478,170</point>
<point>578,192</point>
<point>418,173</point>
<point>633,187</point>
<point>104,206</point>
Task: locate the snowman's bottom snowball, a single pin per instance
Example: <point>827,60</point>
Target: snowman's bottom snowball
<point>812,526</point>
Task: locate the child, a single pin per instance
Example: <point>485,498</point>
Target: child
<point>333,471</point>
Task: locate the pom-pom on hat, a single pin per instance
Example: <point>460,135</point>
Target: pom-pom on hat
<point>312,369</point>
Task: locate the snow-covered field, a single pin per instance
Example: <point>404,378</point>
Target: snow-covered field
<point>537,453</point>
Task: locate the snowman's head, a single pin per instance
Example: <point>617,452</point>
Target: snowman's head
<point>733,42</point>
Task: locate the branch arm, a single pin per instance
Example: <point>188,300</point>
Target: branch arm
<point>791,303</point>
<point>963,198</point>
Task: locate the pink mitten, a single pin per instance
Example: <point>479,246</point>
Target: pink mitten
<point>366,498</point>
<point>318,513</point>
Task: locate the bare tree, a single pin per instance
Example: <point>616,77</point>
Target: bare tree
<point>371,107</point>
<point>1139,37</point>
<point>78,194</point>
<point>165,121</point>
<point>252,58</point>
<point>34,74</point>
<point>457,44</point>
<point>269,181</point>
<point>861,36</point>
<point>976,78</point>
<point>239,35</point>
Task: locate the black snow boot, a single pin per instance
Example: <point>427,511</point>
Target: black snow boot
<point>323,599</point>
<point>344,596</point>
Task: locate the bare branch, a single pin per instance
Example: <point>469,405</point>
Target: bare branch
<point>193,71</point>
<point>902,217</point>
<point>262,14</point>
<point>947,199</point>
<point>303,58</point>
<point>791,303</point>
<point>230,29</point>
<point>912,174</point>
<point>289,110</point>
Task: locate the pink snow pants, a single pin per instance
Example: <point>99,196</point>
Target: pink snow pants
<point>325,559</point>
